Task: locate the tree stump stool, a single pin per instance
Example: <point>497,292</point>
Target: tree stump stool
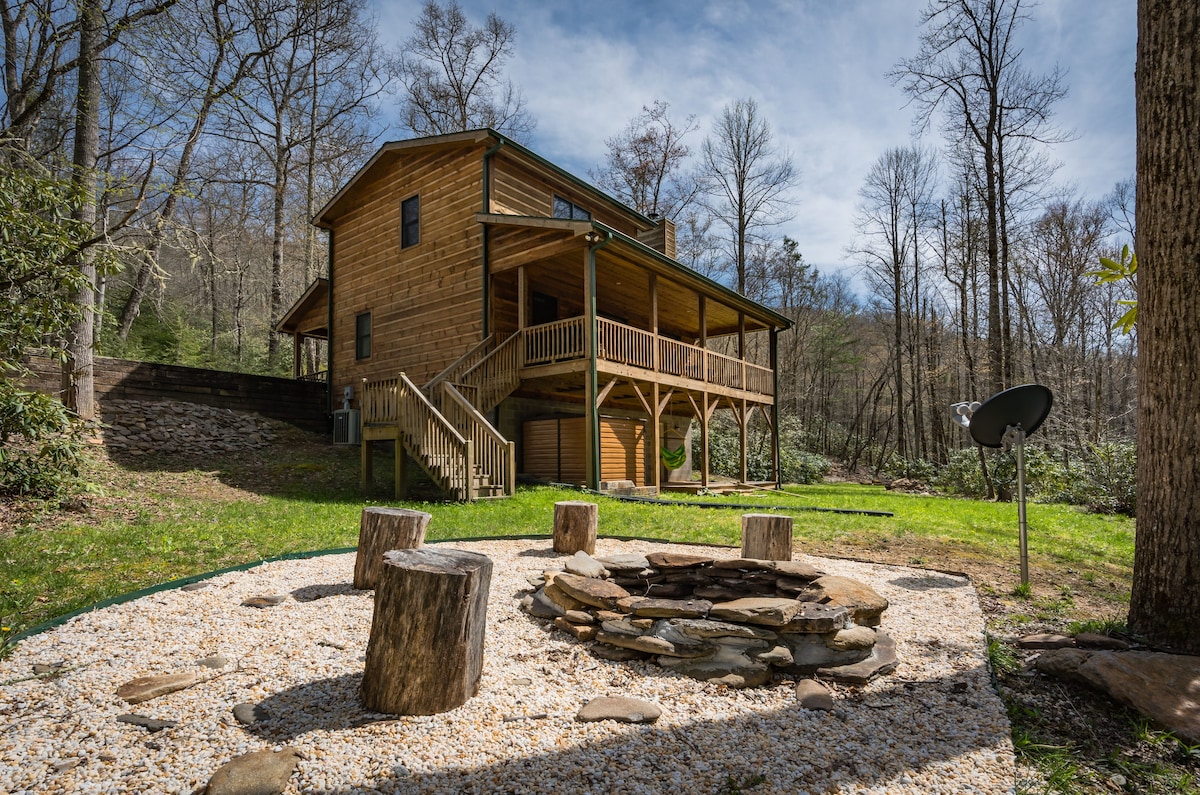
<point>425,652</point>
<point>766,536</point>
<point>575,526</point>
<point>379,530</point>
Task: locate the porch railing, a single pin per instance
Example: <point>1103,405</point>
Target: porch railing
<point>562,340</point>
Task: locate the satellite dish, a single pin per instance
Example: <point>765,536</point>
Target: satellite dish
<point>1025,406</point>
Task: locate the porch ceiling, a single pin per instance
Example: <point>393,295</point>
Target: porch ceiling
<point>555,262</point>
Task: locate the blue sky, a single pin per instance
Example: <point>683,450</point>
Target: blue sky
<point>817,69</point>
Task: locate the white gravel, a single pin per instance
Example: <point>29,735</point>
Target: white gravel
<point>934,726</point>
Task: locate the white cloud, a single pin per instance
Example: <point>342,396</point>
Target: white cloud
<point>818,71</point>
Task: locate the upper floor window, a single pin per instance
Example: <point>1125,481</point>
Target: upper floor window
<point>570,210</point>
<point>362,335</point>
<point>410,222</point>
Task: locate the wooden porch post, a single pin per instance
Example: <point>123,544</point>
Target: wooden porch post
<point>297,347</point>
<point>704,415</point>
<point>743,431</point>
<point>591,410</point>
<point>522,298</point>
<point>775,407</point>
<point>655,411</point>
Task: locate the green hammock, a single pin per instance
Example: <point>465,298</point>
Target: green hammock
<point>674,459</point>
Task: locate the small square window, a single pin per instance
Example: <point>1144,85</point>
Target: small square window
<point>362,336</point>
<point>410,222</point>
<point>569,210</point>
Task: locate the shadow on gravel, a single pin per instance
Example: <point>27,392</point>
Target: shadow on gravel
<point>915,733</point>
<point>929,582</point>
<point>311,593</point>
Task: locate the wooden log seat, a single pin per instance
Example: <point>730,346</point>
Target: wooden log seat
<point>379,530</point>
<point>575,524</point>
<point>766,536</point>
<point>425,651</point>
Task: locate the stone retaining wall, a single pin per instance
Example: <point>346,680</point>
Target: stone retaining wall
<point>299,403</point>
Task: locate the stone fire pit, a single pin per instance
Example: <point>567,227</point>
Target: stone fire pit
<point>735,622</point>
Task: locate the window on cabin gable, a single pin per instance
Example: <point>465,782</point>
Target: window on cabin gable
<point>569,210</point>
<point>410,221</point>
<point>362,335</point>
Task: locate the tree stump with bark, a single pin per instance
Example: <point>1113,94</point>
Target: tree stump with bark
<point>379,530</point>
<point>575,526</point>
<point>425,652</point>
<point>766,536</point>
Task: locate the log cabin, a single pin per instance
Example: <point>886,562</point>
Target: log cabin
<point>492,314</point>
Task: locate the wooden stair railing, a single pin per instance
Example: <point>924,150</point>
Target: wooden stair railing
<point>495,456</point>
<point>495,376</point>
<point>437,446</point>
<point>455,369</point>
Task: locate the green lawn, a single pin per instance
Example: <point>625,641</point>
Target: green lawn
<point>167,531</point>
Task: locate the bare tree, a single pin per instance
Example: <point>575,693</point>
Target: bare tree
<point>893,203</point>
<point>453,75</point>
<point>204,67</point>
<point>746,179</point>
<point>1166,577</point>
<point>969,68</point>
<point>277,105</point>
<point>646,161</point>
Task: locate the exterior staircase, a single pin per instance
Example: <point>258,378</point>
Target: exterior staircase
<point>442,425</point>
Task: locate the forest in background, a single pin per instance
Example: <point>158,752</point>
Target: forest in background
<point>222,125</point>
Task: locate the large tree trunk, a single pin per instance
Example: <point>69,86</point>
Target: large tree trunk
<point>78,368</point>
<point>1166,570</point>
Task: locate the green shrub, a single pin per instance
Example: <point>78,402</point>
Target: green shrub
<point>1105,479</point>
<point>796,463</point>
<point>962,475</point>
<point>40,447</point>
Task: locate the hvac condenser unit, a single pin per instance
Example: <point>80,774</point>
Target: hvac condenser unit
<point>345,426</point>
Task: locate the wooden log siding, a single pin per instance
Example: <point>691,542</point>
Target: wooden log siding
<point>425,300</point>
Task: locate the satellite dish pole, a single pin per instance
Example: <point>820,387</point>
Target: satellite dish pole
<point>1004,420</point>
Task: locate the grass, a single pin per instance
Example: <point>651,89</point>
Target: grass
<point>152,521</point>
<point>267,505</point>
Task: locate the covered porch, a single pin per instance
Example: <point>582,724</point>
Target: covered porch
<point>603,321</point>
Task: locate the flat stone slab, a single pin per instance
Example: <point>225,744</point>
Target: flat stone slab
<point>1045,640</point>
<point>883,660</point>
<point>597,593</point>
<point>263,772</point>
<point>669,608</point>
<point>264,601</point>
<point>625,710</point>
<point>1163,687</point>
<point>674,560</point>
<point>249,714</point>
<point>144,688</point>
<point>864,602</point>
<point>585,565</point>
<point>1094,640</point>
<point>765,610</point>
<point>624,562</point>
<point>707,628</point>
<point>811,694</point>
<point>813,618</point>
<point>149,724</point>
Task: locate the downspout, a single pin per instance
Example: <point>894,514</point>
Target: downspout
<point>329,328</point>
<point>592,377</point>
<point>487,207</point>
